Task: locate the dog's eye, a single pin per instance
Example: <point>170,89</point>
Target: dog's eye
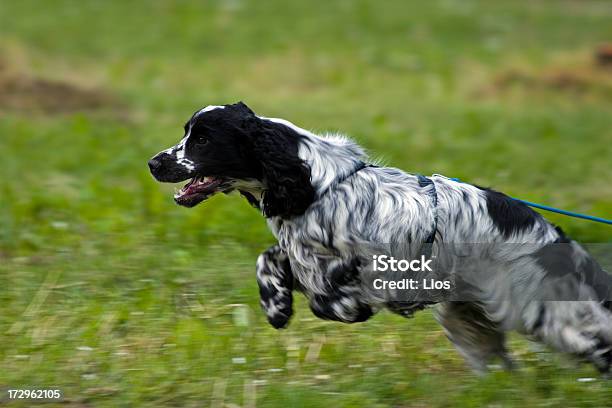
<point>201,140</point>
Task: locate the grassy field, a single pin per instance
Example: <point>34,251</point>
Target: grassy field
<point>120,298</point>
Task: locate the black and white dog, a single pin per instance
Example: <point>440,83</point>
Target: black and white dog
<point>327,208</point>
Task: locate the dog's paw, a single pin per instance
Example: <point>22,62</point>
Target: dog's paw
<point>278,314</point>
<point>340,309</point>
<point>279,321</point>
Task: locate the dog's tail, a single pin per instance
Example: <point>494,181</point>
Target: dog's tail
<point>584,278</point>
<point>600,280</point>
<point>593,275</point>
<point>607,300</point>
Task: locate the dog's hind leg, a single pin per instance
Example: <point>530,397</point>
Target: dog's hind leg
<point>476,337</point>
<point>275,282</point>
<point>582,328</point>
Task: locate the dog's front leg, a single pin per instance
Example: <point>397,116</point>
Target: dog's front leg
<point>275,282</point>
<point>343,301</point>
<point>341,307</point>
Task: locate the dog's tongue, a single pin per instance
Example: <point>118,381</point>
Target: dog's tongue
<point>199,184</point>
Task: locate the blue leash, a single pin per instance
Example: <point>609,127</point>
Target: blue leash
<point>553,209</point>
<point>565,212</point>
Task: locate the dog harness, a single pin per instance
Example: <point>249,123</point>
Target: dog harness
<point>360,166</point>
<point>424,182</point>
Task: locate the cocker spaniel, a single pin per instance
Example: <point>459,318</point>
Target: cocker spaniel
<point>333,214</point>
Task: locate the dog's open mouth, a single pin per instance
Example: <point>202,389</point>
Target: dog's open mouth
<point>199,189</point>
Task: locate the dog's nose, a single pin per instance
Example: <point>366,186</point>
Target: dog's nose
<point>154,164</point>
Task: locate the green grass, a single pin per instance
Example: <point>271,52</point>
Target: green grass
<point>120,298</point>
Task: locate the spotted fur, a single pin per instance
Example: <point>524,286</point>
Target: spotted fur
<point>328,211</point>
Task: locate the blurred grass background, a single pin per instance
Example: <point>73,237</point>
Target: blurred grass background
<point>120,298</point>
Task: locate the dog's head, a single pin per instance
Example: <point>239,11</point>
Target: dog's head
<point>228,148</point>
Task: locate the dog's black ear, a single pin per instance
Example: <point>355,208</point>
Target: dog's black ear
<point>286,177</point>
